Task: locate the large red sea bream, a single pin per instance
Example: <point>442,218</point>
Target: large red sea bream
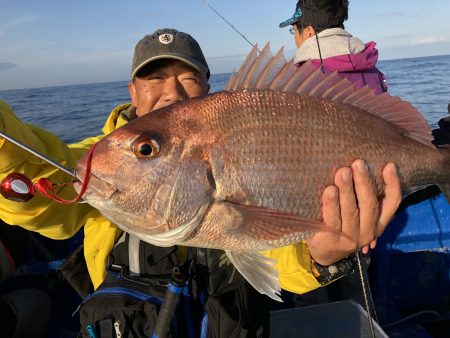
<point>243,169</point>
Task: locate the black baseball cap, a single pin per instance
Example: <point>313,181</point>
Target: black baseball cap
<point>168,43</point>
<point>297,16</point>
<point>320,13</point>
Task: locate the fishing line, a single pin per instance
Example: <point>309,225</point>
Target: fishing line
<point>322,68</point>
<point>366,291</point>
<point>234,28</point>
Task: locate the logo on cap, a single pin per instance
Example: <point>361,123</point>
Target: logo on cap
<point>166,38</point>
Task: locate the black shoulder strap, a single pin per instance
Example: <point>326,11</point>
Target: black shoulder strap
<point>142,258</point>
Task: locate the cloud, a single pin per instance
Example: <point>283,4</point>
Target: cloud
<point>395,14</point>
<point>25,46</point>
<point>428,40</point>
<point>18,21</point>
<point>7,65</point>
<point>400,41</point>
<point>6,25</point>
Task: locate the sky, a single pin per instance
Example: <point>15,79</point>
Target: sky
<point>55,42</point>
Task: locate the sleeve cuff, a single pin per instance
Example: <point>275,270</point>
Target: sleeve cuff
<point>327,274</point>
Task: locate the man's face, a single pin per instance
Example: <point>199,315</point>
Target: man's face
<point>164,82</point>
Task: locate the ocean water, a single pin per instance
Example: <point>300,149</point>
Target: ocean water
<point>78,111</point>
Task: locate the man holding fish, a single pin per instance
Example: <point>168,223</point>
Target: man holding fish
<point>169,67</point>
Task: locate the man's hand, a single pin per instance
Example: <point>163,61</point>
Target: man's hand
<point>352,206</point>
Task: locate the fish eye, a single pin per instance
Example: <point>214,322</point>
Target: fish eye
<point>146,148</point>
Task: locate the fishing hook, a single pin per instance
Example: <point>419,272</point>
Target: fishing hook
<point>18,187</point>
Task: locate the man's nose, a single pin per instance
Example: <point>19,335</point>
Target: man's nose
<point>174,91</point>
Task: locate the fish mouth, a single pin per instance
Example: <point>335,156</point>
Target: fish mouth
<point>97,187</point>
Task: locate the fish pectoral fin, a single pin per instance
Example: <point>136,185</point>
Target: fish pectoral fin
<point>258,270</point>
<point>268,224</point>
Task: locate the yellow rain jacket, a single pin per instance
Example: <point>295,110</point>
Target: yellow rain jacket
<point>59,221</point>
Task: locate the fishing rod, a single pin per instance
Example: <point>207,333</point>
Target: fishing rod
<point>234,28</point>
<point>37,154</point>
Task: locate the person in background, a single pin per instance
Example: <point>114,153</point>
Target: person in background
<point>442,134</point>
<point>321,38</point>
<point>168,67</point>
<point>318,28</point>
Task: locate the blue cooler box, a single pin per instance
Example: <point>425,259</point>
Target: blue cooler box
<point>410,266</point>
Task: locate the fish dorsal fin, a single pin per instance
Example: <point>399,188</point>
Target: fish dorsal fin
<point>257,68</point>
<point>265,71</point>
<point>236,80</point>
